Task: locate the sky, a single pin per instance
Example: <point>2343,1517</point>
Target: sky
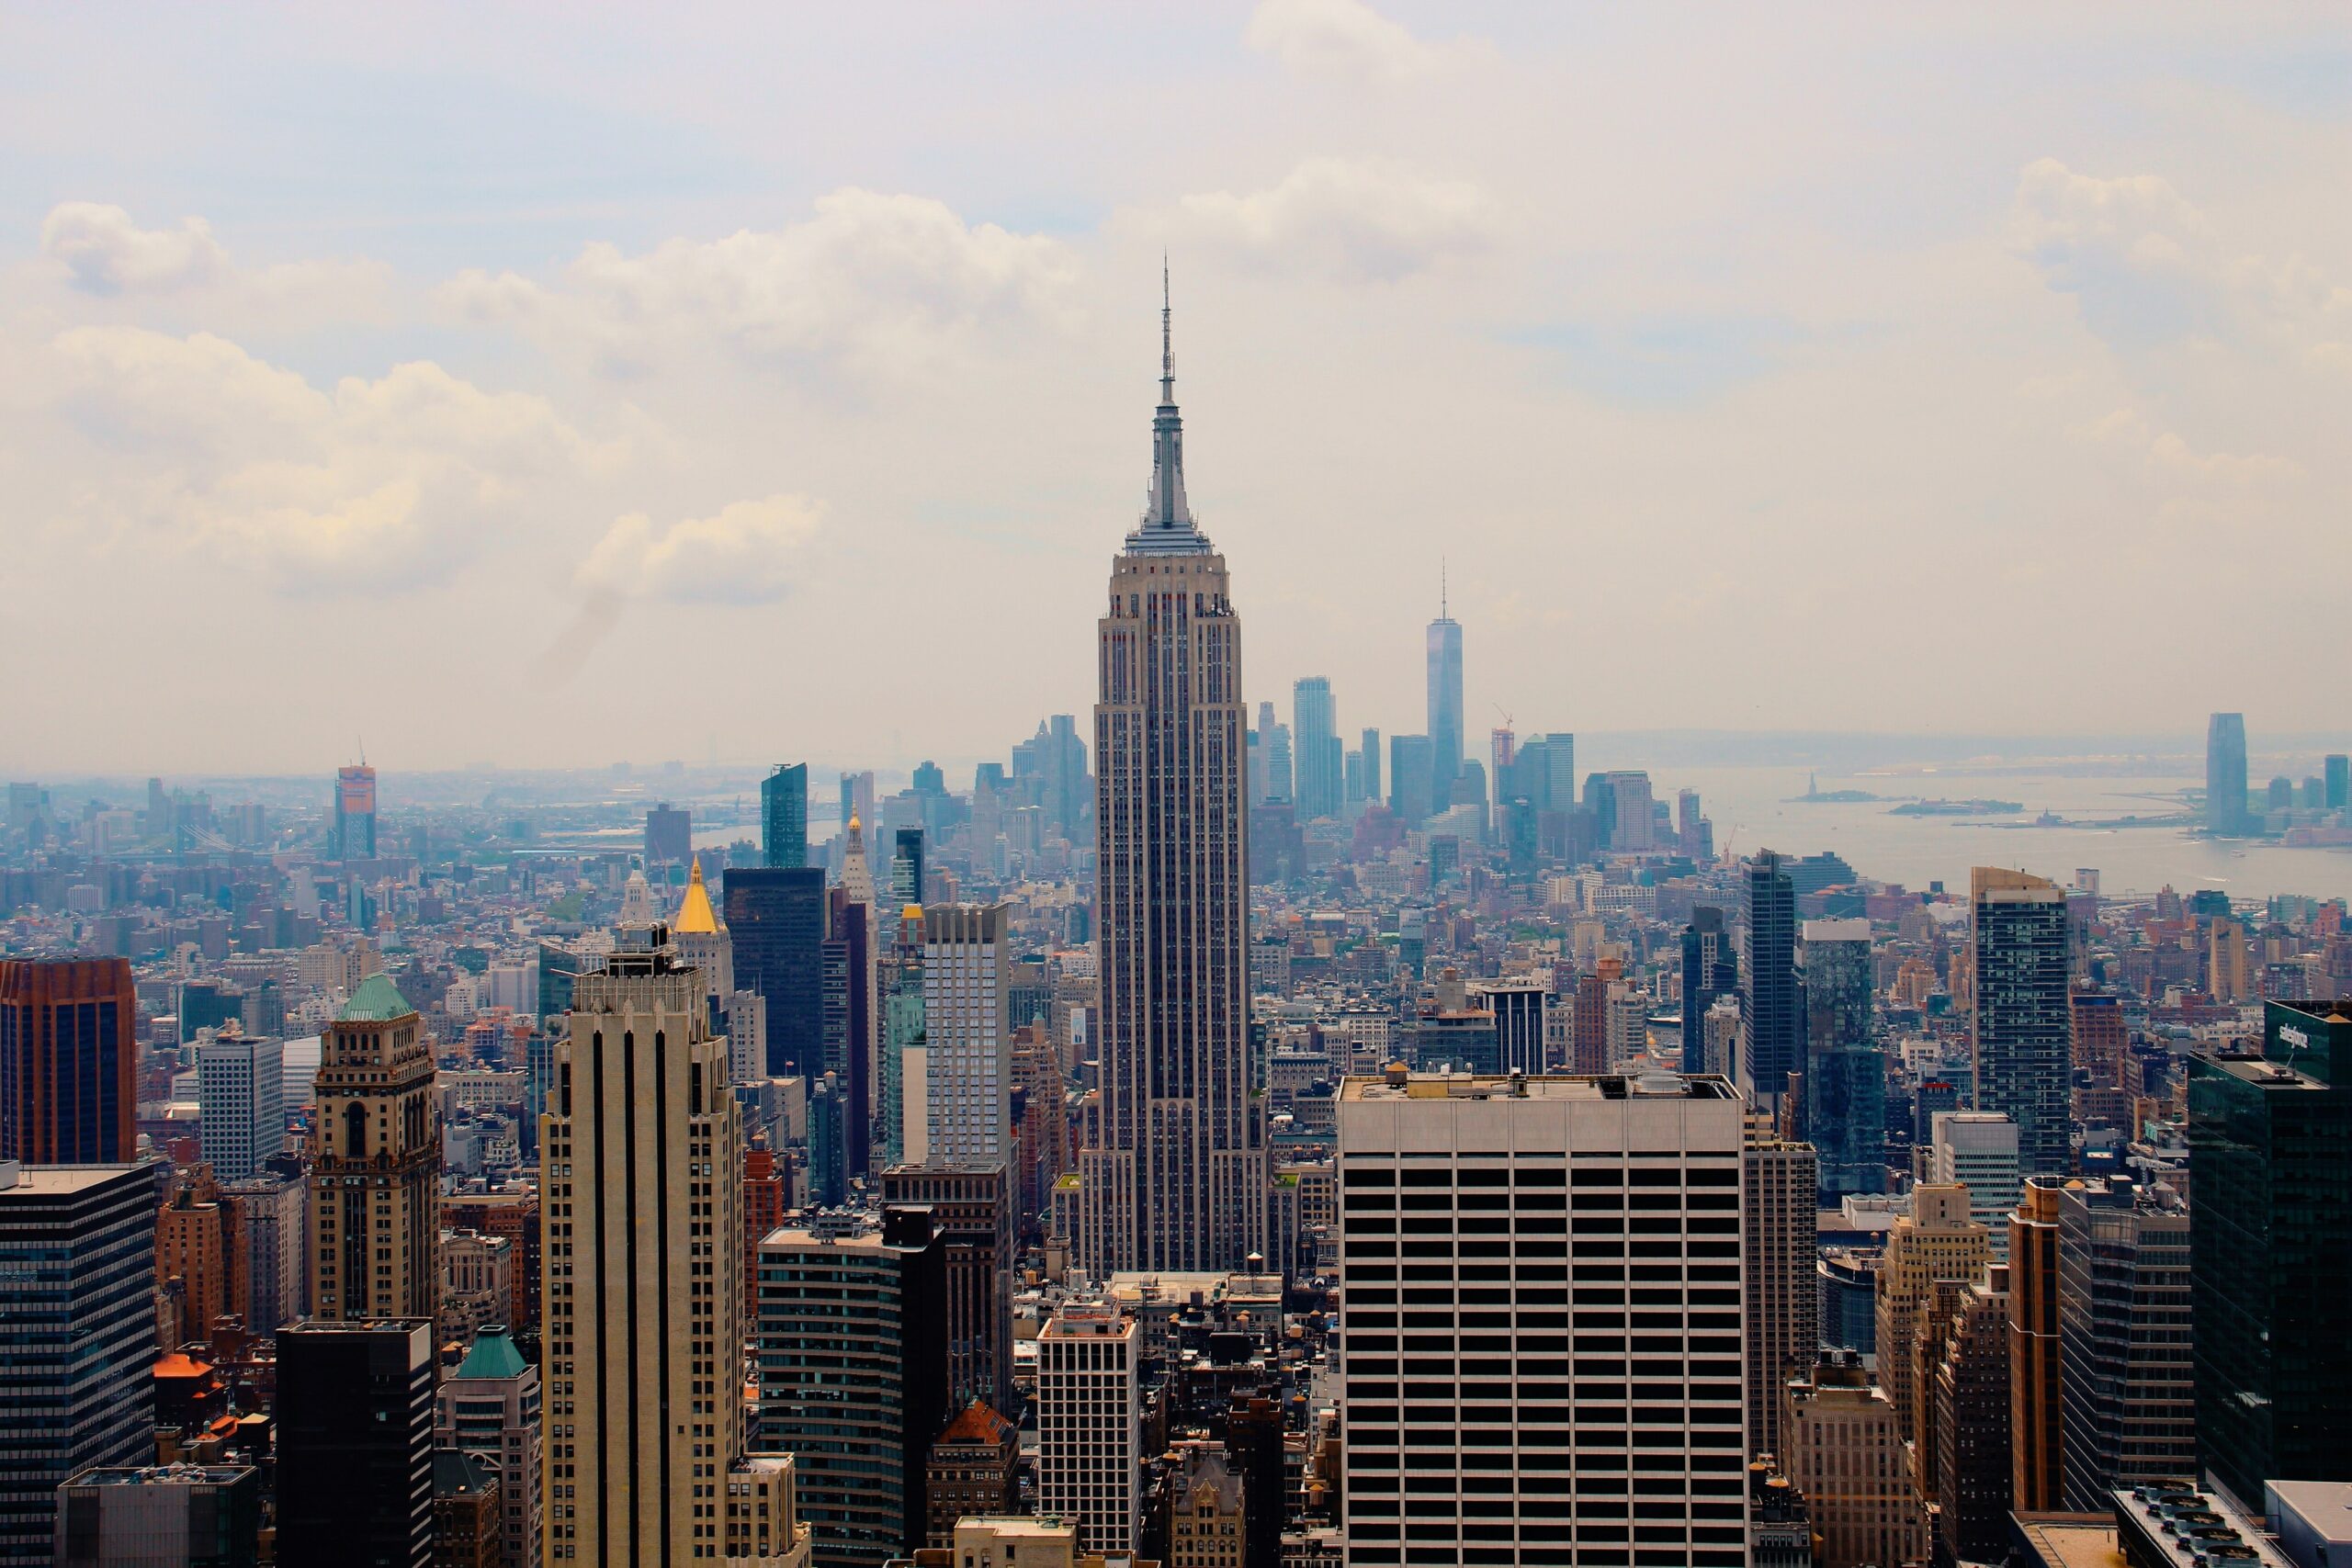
<point>556,386</point>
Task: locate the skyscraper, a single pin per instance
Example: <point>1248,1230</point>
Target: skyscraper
<point>2020,1025</point>
<point>968,1098</point>
<point>1936,1243</point>
<point>372,1225</point>
<point>971,1212</point>
<point>784,815</point>
<point>644,1306</point>
<point>1090,1424</point>
<point>1315,740</point>
<point>669,834</point>
<point>2336,791</point>
<point>355,813</point>
<point>1771,1022</point>
<point>2270,1249</point>
<point>1486,1423</point>
<point>491,1406</point>
<point>355,1443</point>
<point>1710,969</point>
<point>775,921</point>
<point>1445,699</point>
<point>1371,790</point>
<point>1844,1077</point>
<point>77,1337</point>
<point>906,867</point>
<point>241,1094</point>
<point>2226,813</point>
<point>68,1094</point>
<point>2128,1373</point>
<point>2033,1248</point>
<point>1411,774</point>
<point>849,1011</point>
<point>1778,1192</point>
<point>1179,1178</point>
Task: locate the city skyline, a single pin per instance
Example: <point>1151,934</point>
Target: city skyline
<point>1926,361</point>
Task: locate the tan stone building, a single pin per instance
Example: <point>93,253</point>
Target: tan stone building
<point>1936,1240</point>
<point>1842,1446</point>
<point>372,1220</point>
<point>1207,1513</point>
<point>1779,1183</point>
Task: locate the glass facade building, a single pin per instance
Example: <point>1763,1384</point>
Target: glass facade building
<point>1844,1077</point>
<point>784,815</point>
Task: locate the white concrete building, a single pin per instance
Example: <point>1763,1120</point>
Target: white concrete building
<point>1090,1424</point>
<point>967,1094</point>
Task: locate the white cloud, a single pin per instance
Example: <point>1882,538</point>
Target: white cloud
<point>2170,455</point>
<point>1341,39</point>
<point>875,285</point>
<point>747,554</point>
<point>1349,219</point>
<point>377,483</point>
<point>103,252</point>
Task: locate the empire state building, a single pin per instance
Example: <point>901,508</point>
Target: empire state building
<point>1178,1179</point>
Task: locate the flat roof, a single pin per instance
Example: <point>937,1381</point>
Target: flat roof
<point>1553,1086</point>
<point>57,1180</point>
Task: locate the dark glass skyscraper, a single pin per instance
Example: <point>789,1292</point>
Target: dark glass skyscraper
<point>1710,969</point>
<point>776,916</point>
<point>2021,1027</point>
<point>1412,773</point>
<point>2225,811</point>
<point>67,1059</point>
<point>2336,792</point>
<point>1371,790</point>
<point>355,1443</point>
<point>1446,702</point>
<point>355,813</point>
<point>1845,1076</point>
<point>2270,1251</point>
<point>784,815</point>
<point>1772,1016</point>
<point>1315,740</point>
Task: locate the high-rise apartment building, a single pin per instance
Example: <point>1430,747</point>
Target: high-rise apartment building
<point>1177,1177</point>
<point>241,1096</point>
<point>266,1234</point>
<point>775,923</point>
<point>2034,1348</point>
<point>1090,1424</point>
<point>2270,1249</point>
<point>1843,1446</point>
<point>907,882</point>
<point>68,1091</point>
<point>641,1153</point>
<point>1978,1149</point>
<point>1935,1243</point>
<point>783,817</point>
<point>853,1379</point>
<point>1710,969</point>
<point>1488,1422</point>
<point>967,1091</point>
<point>2098,1036</point>
<point>1844,1073</point>
<point>971,1212</point>
<point>355,813</point>
<point>2020,1026</point>
<point>1445,700</point>
<point>1778,1196</point>
<point>1771,1015</point>
<point>355,1443</point>
<point>372,1222</point>
<point>490,1407</point>
<point>2127,1370</point>
<point>77,1337</point>
<point>1971,1388</point>
<point>1314,738</point>
<point>2226,814</point>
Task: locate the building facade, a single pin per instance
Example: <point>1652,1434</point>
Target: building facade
<point>968,1087</point>
<point>971,1212</point>
<point>372,1220</point>
<point>354,1442</point>
<point>1771,1017</point>
<point>775,924</point>
<point>1777,1193</point>
<point>67,1061</point>
<point>1089,1425</point>
<point>783,817</point>
<point>490,1407</point>
<point>2128,1377</point>
<point>240,1093</point>
<point>1843,1447</point>
<point>2019,1027</point>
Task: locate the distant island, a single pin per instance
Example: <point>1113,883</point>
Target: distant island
<point>1816,795</point>
<point>1957,809</point>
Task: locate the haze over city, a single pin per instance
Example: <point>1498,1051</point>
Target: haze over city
<point>430,378</point>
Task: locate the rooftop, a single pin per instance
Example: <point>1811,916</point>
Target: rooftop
<point>1558,1087</point>
<point>376,1001</point>
<point>494,1355</point>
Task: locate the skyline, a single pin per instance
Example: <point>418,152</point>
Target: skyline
<point>1698,407</point>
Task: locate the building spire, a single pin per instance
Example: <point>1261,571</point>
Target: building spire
<point>1167,518</point>
<point>1167,341</point>
<point>1440,587</point>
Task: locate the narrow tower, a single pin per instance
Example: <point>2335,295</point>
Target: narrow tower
<point>1178,1178</point>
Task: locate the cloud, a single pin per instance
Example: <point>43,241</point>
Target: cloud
<point>103,252</point>
<point>875,285</point>
<point>2170,455</point>
<point>747,554</point>
<point>1349,219</point>
<point>1343,39</point>
<point>2149,270</point>
<point>377,484</point>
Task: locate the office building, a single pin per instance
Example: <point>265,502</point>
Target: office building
<point>907,882</point>
<point>1177,1176</point>
<point>266,1231</point>
<point>853,1379</point>
<point>783,817</point>
<point>968,1092</point>
<point>182,1516</point>
<point>355,1443</point>
<point>1411,766</point>
<point>1090,1424</point>
<point>1845,1075</point>
<point>2019,1027</point>
<point>241,1089</point>
<point>1936,1243</point>
<point>2098,1037</point>
<point>490,1407</point>
<point>2128,1372</point>
<point>668,834</point>
<point>775,924</point>
<point>1445,699</point>
<point>2270,1251</point>
<point>850,1037</point>
<point>355,813</point>
<point>1485,1423</point>
<point>971,1212</point>
<point>1371,790</point>
<point>1843,1446</point>
<point>1778,1194</point>
<point>1315,737</point>
<point>903,1073</point>
<point>973,1469</point>
<point>2226,814</point>
<point>702,940</point>
<point>78,1339</point>
<point>372,1222</point>
<point>67,1061</point>
<point>1978,1149</point>
<point>465,1511</point>
<point>1710,969</point>
<point>1772,1016</point>
<point>1207,1508</point>
<point>1518,1009</point>
<point>1971,1391</point>
<point>641,1153</point>
<point>2337,786</point>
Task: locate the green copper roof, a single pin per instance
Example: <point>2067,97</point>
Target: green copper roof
<point>493,1356</point>
<point>376,1001</point>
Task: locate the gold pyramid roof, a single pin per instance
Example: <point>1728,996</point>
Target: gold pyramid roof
<point>696,915</point>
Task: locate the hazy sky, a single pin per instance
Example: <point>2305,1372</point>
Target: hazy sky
<point>520,385</point>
